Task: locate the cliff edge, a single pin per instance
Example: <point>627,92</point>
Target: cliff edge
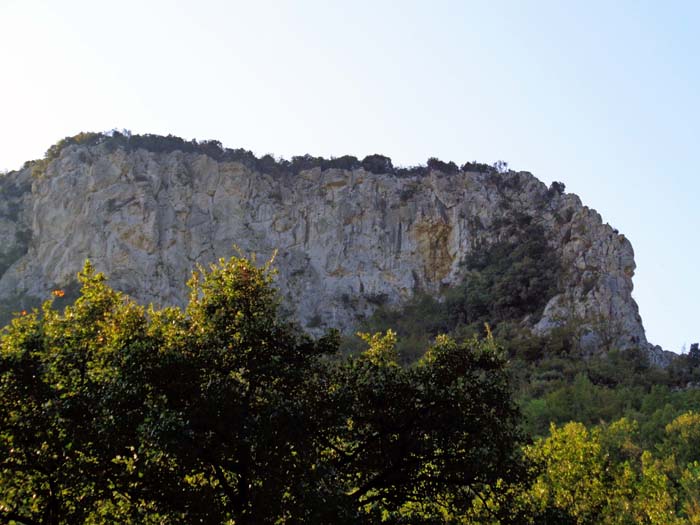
<point>347,238</point>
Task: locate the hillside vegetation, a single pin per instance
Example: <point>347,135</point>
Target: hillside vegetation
<point>450,407</point>
<point>127,141</point>
<point>222,413</point>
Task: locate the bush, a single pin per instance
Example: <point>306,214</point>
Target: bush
<point>477,167</point>
<point>378,164</point>
<point>506,281</point>
<point>346,162</point>
<point>556,188</point>
<point>448,168</point>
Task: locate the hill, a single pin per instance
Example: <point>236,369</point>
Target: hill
<point>351,235</point>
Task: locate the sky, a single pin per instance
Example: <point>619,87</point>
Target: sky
<point>603,96</point>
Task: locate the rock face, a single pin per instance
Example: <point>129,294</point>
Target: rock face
<point>346,240</point>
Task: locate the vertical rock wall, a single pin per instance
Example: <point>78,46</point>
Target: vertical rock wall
<point>346,240</point>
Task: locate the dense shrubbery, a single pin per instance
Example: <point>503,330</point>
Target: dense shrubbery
<point>556,188</point>
<point>477,167</point>
<point>554,380</point>
<point>603,475</point>
<point>617,439</point>
<point>509,280</point>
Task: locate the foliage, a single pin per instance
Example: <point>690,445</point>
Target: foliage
<point>445,167</point>
<point>58,377</point>
<point>506,281</point>
<point>618,438</point>
<point>438,431</point>
<point>600,476</point>
<point>377,164</point>
<point>556,188</point>
<point>222,413</point>
<point>125,140</point>
<point>477,167</point>
<point>39,166</point>
<point>503,283</point>
<point>417,323</point>
<point>81,138</point>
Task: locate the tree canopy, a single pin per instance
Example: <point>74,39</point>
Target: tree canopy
<point>223,413</point>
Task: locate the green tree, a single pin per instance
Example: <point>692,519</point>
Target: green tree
<point>242,404</point>
<point>690,485</point>
<point>222,413</point>
<point>71,400</point>
<point>572,478</point>
<point>683,438</point>
<point>408,443</point>
<point>601,476</point>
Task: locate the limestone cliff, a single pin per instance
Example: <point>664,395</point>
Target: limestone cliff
<point>346,239</point>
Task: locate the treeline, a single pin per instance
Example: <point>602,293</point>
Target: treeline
<point>125,140</point>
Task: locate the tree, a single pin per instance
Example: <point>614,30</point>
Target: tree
<point>71,400</point>
<point>436,433</point>
<point>600,476</point>
<point>242,401</point>
<point>378,164</point>
<point>449,168</point>
<point>572,481</point>
<point>223,413</point>
<point>694,354</point>
<point>683,438</point>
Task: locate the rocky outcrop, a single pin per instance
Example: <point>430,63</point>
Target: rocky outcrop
<point>346,239</point>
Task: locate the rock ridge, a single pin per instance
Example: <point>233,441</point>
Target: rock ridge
<point>346,239</point>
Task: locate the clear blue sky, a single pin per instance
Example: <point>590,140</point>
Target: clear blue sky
<point>604,96</point>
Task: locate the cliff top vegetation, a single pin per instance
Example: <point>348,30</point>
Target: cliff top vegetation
<point>375,163</point>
